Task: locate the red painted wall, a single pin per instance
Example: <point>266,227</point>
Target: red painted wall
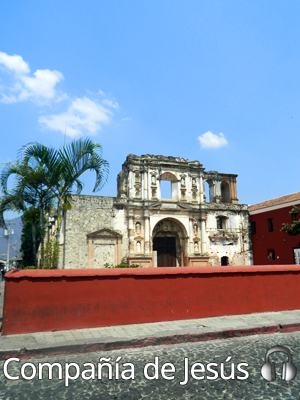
<point>281,242</point>
<point>70,299</point>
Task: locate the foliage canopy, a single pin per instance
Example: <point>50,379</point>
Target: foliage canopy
<point>293,229</point>
<point>45,178</point>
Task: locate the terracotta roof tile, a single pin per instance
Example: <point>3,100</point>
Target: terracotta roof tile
<point>275,202</point>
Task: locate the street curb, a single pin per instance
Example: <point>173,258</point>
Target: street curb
<point>148,341</point>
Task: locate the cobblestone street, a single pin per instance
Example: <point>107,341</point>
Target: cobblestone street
<point>251,350</point>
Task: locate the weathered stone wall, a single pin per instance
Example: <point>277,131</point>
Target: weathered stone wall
<point>218,230</point>
<point>233,241</point>
<point>89,214</point>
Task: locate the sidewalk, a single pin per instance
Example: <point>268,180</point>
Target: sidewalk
<point>149,334</point>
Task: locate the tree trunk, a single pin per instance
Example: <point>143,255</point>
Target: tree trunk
<point>64,236</point>
<point>42,233</point>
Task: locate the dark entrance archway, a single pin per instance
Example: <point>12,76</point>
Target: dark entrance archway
<point>166,251</point>
<point>224,261</point>
<point>169,242</point>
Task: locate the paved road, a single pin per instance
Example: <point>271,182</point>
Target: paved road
<point>251,350</point>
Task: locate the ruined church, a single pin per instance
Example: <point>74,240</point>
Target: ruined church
<point>200,224</point>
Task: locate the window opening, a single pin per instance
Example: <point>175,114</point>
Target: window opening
<point>166,189</point>
<point>207,192</point>
<point>270,224</point>
<point>225,192</point>
<point>221,222</point>
<point>253,227</point>
<point>271,254</point>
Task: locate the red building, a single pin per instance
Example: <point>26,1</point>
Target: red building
<point>270,245</point>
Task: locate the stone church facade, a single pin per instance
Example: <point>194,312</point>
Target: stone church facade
<point>193,227</point>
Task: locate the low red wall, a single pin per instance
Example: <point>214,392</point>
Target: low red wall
<point>70,299</point>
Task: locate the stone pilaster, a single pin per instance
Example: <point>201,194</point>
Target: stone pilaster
<point>147,232</point>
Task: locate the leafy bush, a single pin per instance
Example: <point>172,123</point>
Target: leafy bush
<point>50,255</point>
<point>30,267</point>
<point>122,266</point>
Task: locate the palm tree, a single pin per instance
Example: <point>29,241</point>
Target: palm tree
<point>45,176</point>
<point>61,170</point>
<point>28,195</point>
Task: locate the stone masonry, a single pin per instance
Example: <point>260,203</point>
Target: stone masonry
<point>194,227</point>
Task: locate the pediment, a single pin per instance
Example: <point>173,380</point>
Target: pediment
<point>104,232</point>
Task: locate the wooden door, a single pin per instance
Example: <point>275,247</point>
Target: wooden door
<point>166,251</point>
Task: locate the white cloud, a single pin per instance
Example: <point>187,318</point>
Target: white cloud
<point>83,116</point>
<point>39,88</point>
<point>110,103</point>
<point>211,141</point>
<point>14,63</point>
<point>43,83</point>
<point>126,119</point>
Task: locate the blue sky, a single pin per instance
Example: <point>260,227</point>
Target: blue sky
<point>154,77</point>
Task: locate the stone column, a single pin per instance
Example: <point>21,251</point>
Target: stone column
<point>235,190</point>
<point>142,183</point>
<point>203,234</point>
<point>131,233</point>
<point>201,194</point>
<point>158,192</point>
<point>231,191</point>
<point>218,195</point>
<point>147,232</point>
<point>131,185</point>
<point>150,186</point>
<point>235,198</point>
<point>212,192</point>
<point>191,234</point>
<point>145,196</point>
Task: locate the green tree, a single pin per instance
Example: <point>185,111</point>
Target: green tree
<point>28,195</point>
<point>63,168</point>
<point>293,229</point>
<point>46,176</point>
<point>31,236</point>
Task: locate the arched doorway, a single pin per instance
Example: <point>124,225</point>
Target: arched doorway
<point>225,192</point>
<point>169,243</point>
<point>224,261</point>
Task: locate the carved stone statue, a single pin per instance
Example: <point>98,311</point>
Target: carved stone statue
<point>196,247</point>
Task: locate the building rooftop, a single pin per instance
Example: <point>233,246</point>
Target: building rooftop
<point>275,202</point>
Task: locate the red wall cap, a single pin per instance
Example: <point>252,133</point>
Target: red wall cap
<point>99,272</point>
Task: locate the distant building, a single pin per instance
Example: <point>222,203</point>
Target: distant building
<point>270,245</point>
<point>192,227</point>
